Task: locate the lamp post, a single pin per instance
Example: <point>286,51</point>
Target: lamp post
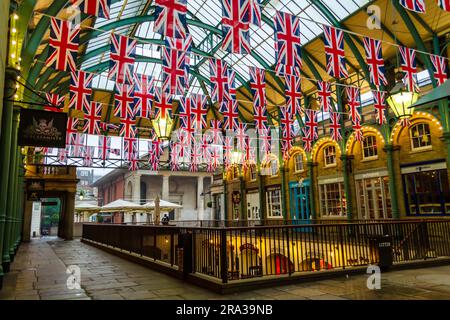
<point>163,126</point>
<point>400,100</point>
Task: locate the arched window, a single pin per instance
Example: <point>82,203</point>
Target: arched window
<point>298,162</point>
<point>274,167</point>
<point>420,136</point>
<point>329,155</point>
<point>369,146</point>
<point>253,172</point>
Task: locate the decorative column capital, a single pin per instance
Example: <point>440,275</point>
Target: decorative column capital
<point>391,148</point>
<point>11,75</point>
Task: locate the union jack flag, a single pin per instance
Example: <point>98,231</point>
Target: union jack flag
<point>227,149</point>
<point>55,102</point>
<point>144,94</point>
<point>92,118</point>
<point>379,104</point>
<point>187,122</point>
<point>334,50</point>
<point>311,123</point>
<point>236,26</point>
<point>170,18</point>
<point>241,136</point>
<point>335,127</point>
<point>216,129</point>
<point>98,8</point>
<point>88,158</point>
<point>358,130</point>
<point>219,80</point>
<point>127,128</point>
<point>121,59</point>
<point>80,90</point>
<point>104,147</point>
<point>163,104</point>
<point>255,12</point>
<point>353,103</point>
<point>199,110</point>
<point>260,118</point>
<point>78,142</point>
<point>288,57</point>
<point>63,45</point>
<point>175,74</point>
<point>229,109</point>
<point>444,4</point>
<point>293,92</point>
<point>205,146</point>
<point>287,130</point>
<point>232,84</point>
<point>324,94</point>
<point>264,141</point>
<point>174,153</point>
<point>375,61</point>
<point>155,150</point>
<point>196,158</point>
<point>440,69</point>
<point>71,129</point>
<point>258,86</point>
<point>409,67</point>
<point>187,128</point>
<point>414,5</point>
<point>307,140</point>
<point>124,100</point>
<point>62,155</point>
<point>214,160</point>
<point>131,153</point>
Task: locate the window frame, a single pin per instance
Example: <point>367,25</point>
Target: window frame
<point>374,146</point>
<point>324,191</point>
<point>297,156</point>
<point>411,137</point>
<point>325,156</point>
<point>270,203</point>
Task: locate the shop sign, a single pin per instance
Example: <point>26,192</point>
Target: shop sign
<point>39,128</point>
<point>248,246</point>
<point>35,190</point>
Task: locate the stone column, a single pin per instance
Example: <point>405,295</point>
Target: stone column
<point>200,199</point>
<point>136,196</point>
<point>5,155</point>
<point>389,149</point>
<point>346,172</point>
<point>165,188</point>
<point>10,194</point>
<point>312,189</point>
<point>69,216</point>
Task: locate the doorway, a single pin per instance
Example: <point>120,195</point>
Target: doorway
<point>374,200</point>
<point>300,206</point>
<point>50,216</point>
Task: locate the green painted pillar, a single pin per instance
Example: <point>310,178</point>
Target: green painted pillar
<point>348,194</point>
<point>225,198</point>
<point>389,149</point>
<point>312,199</point>
<point>16,212</point>
<point>20,202</point>
<point>6,260</point>
<point>12,238</point>
<point>5,142</point>
<point>284,195</point>
<point>243,198</point>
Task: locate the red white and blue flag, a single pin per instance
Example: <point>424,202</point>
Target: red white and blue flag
<point>121,59</point>
<point>174,155</point>
<point>55,102</point>
<point>170,18</point>
<point>311,123</point>
<point>288,57</point>
<point>444,4</point>
<point>413,5</point>
<point>155,150</point>
<point>78,145</point>
<point>357,128</point>
<point>219,80</point>
<point>196,157</point>
<point>144,94</point>
<point>258,86</point>
<point>324,95</point>
<point>127,128</point>
<point>62,154</point>
<point>63,45</point>
<point>88,159</point>
<point>287,130</point>
<point>439,68</point>
<point>264,141</point>
<point>174,68</point>
<point>227,150</point>
<point>307,140</point>
<point>80,90</point>
<point>163,104</point>
<point>409,68</point>
<point>131,153</point>
<point>104,147</point>
<point>98,8</point>
<point>255,12</point>
<point>379,103</point>
<point>335,126</point>
<point>124,101</point>
<point>334,50</point>
<point>232,84</point>
<point>229,109</point>
<point>374,59</point>
<point>92,118</point>
<point>260,118</point>
<point>241,136</point>
<point>71,129</point>
<point>187,119</point>
<point>353,103</point>
<point>293,93</point>
<point>216,130</point>
<point>236,26</point>
<point>199,110</point>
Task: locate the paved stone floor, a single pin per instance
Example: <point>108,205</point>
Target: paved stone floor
<point>39,272</point>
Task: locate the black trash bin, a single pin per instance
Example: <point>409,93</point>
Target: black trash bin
<point>381,250</point>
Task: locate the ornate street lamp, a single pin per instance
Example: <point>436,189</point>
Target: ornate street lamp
<point>401,100</point>
<point>236,157</point>
<point>163,127</point>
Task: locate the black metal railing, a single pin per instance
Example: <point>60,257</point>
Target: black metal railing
<point>235,253</point>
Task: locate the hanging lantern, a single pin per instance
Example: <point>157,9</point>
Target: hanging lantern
<point>400,100</point>
<point>163,127</point>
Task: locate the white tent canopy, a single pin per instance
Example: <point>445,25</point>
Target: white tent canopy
<point>86,207</point>
<point>121,205</point>
<point>163,205</point>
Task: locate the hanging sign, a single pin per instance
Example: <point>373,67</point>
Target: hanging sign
<point>35,190</point>
<point>42,128</point>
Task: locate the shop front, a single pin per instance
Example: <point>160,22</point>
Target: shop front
<point>253,210</point>
<point>373,196</point>
<point>299,192</point>
<point>426,188</point>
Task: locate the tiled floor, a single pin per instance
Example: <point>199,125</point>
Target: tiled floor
<point>39,272</point>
